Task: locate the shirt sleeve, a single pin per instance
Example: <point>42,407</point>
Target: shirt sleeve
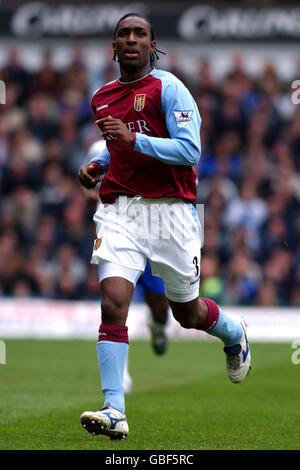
<point>101,156</point>
<point>183,123</point>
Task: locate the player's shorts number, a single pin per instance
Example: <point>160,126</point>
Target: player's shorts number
<point>195,262</point>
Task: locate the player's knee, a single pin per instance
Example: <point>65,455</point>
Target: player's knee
<point>113,310</point>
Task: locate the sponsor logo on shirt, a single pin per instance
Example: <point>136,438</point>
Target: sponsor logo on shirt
<point>138,126</point>
<point>139,101</point>
<point>183,116</point>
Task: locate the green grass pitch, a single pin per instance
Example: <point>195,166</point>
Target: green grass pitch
<point>179,401</point>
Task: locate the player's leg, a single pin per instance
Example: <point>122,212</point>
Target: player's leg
<point>205,314</point>
<point>154,292</point>
<point>116,294</point>
<point>178,263</point>
<point>112,350</point>
<point>159,307</point>
<point>121,262</point>
<point>112,346</point>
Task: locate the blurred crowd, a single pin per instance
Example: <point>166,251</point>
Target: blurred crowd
<point>249,181</point>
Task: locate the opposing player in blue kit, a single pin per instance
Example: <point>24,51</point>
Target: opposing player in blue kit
<point>151,125</point>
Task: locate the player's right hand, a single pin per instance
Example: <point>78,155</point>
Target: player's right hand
<point>89,175</point>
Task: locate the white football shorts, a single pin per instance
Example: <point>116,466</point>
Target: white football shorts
<point>165,231</point>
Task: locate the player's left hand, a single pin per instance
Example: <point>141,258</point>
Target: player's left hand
<point>115,128</point>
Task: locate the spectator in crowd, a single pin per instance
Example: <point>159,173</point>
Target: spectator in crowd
<point>249,211</point>
<point>14,73</point>
<point>47,80</point>
<point>242,279</point>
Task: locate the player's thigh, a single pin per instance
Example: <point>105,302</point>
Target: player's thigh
<point>176,257</point>
<point>117,284</point>
<point>116,238</point>
<point>180,286</point>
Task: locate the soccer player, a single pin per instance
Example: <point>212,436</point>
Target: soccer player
<point>151,125</point>
<point>152,286</point>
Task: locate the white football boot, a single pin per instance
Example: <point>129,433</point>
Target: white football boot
<point>238,358</point>
<point>106,421</point>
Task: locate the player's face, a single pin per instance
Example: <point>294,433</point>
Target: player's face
<point>133,43</point>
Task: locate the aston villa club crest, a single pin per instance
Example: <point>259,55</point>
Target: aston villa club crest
<point>97,243</point>
<point>139,101</point>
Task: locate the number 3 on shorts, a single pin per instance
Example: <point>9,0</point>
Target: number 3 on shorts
<point>196,263</point>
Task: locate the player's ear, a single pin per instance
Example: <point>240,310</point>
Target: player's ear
<point>153,46</point>
<point>114,51</point>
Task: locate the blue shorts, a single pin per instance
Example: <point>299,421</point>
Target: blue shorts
<point>150,283</point>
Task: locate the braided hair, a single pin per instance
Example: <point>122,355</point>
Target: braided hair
<point>153,55</point>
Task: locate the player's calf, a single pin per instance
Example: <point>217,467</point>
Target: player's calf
<point>190,314</point>
<point>204,314</point>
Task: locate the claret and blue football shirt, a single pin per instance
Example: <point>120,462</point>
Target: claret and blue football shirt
<point>162,113</point>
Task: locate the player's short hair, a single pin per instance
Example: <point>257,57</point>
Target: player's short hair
<point>153,55</point>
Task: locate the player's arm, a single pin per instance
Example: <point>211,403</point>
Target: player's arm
<point>102,158</point>
<point>91,173</point>
<point>183,123</point>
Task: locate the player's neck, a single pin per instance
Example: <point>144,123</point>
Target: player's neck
<point>132,75</point>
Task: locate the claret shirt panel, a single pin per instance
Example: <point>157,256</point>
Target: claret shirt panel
<point>165,118</point>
